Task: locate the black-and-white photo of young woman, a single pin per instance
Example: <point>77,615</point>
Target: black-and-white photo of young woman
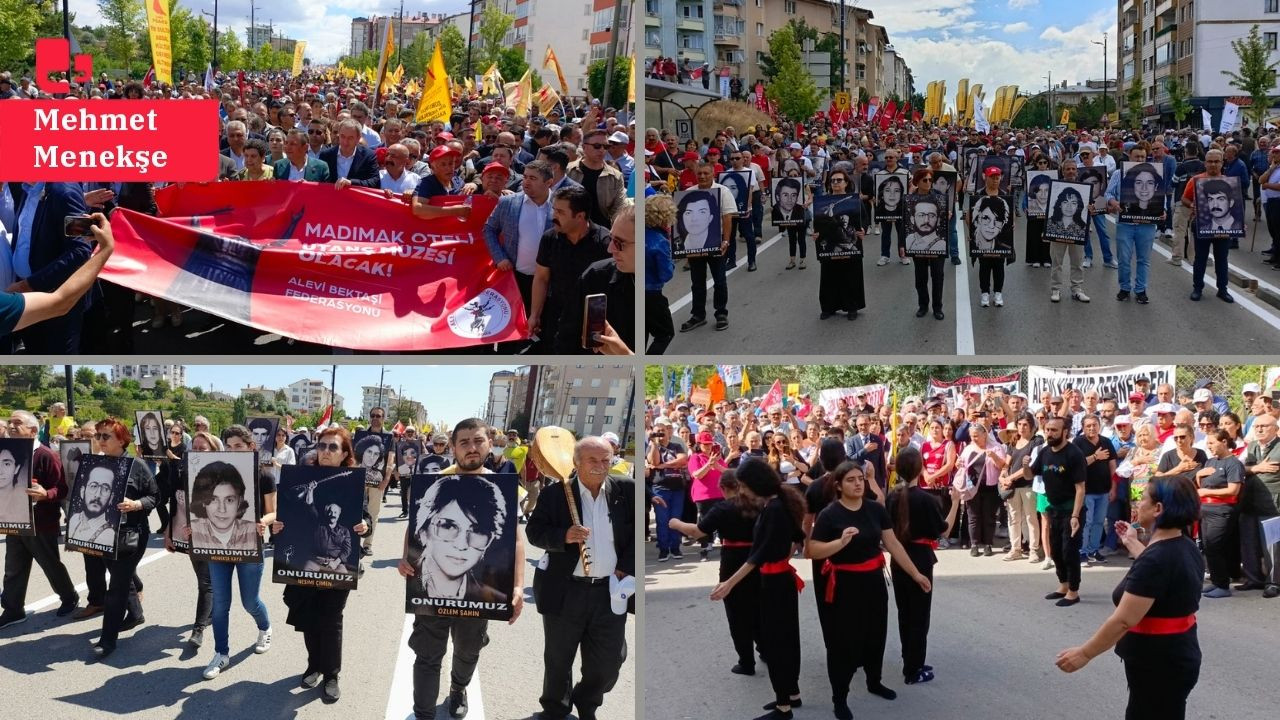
<point>991,226</point>
<point>371,451</point>
<point>891,188</point>
<point>1038,182</point>
<point>150,433</point>
<point>1068,219</point>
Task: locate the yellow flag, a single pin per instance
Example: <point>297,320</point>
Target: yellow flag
<point>746,382</point>
<point>1066,117</point>
<point>387,48</point>
<point>962,97</point>
<point>411,88</point>
<point>1018,102</point>
<point>548,99</point>
<point>520,97</point>
<point>435,103</point>
<point>479,130</point>
<point>298,50</point>
<point>397,75</point>
<point>793,390</point>
<point>470,85</point>
<point>631,82</point>
<point>491,81</point>
<point>161,51</point>
<point>550,61</point>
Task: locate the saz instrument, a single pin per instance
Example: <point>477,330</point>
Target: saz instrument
<point>552,454</point>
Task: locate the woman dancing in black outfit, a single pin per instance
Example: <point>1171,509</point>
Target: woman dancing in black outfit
<point>776,533</point>
<point>848,534</point>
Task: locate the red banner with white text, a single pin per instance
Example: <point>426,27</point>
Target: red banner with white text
<point>345,268</point>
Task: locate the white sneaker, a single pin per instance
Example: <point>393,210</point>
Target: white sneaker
<point>1087,263</point>
<point>882,261</point>
<point>1168,233</point>
<point>1048,564</point>
<point>264,642</point>
<point>876,229</point>
<point>1080,296</point>
<point>986,300</point>
<point>999,299</point>
<point>1055,296</point>
<point>216,665</point>
<point>906,261</point>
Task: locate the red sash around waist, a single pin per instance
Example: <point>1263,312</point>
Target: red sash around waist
<point>735,543</point>
<point>931,542</point>
<point>782,567</point>
<point>1164,626</point>
<point>829,570</point>
<point>1220,500</point>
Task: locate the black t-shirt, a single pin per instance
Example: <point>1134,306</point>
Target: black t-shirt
<point>589,178</point>
<point>568,261</point>
<point>1227,470</point>
<point>1170,460</point>
<point>1171,573</point>
<point>1097,475</point>
<point>726,518</point>
<point>670,478</point>
<point>815,499</point>
<point>774,534</point>
<point>1062,471</point>
<point>925,522</point>
<point>1015,458</point>
<point>757,454</point>
<point>871,520</point>
<point>430,186</point>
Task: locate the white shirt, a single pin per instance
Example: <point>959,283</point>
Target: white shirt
<point>371,137</point>
<point>344,164</point>
<point>594,513</point>
<point>297,174</point>
<point>238,159</point>
<point>533,223</point>
<point>408,181</point>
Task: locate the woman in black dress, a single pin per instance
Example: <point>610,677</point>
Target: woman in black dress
<point>1153,628</point>
<point>848,535</point>
<point>734,520</point>
<point>776,533</point>
<point>1218,484</point>
<point>917,523</point>
<point>821,493</point>
<point>840,287</point>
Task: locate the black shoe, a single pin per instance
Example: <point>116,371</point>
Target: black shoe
<point>132,622</point>
<point>1097,557</point>
<point>975,551</point>
<point>882,691</point>
<point>366,552</point>
<point>1141,298</point>
<point>955,261</point>
<point>751,267</point>
<point>921,312</point>
<point>795,703</point>
<point>458,703</point>
<point>404,515</point>
<point>1055,595</point>
<point>102,652</point>
<point>704,555</point>
<point>1122,295</point>
<point>840,708</point>
<point>825,316</point>
<point>853,315</point>
<point>1271,591</point>
<point>677,555</point>
<point>662,556</point>
<point>987,552</point>
<point>741,669</point>
<point>722,323</point>
<point>1247,586</point>
<point>1068,602</point>
<point>310,678</point>
<point>1225,297</point>
<point>923,676</point>
<point>939,315</point>
<point>332,693</point>
<point>68,607</point>
<point>775,714</point>
<point>8,619</point>
<point>1196,295</point>
<point>692,323</point>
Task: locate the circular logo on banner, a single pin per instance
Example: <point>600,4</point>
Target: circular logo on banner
<point>485,315</point>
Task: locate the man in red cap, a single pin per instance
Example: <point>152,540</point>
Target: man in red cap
<point>990,267</point>
<point>689,176</point>
<point>493,180</point>
<point>444,161</point>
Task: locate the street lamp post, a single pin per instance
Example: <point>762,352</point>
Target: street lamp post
<point>1049,79</point>
<point>1104,78</point>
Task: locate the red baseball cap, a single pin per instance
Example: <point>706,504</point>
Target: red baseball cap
<point>499,167</point>
<point>991,171</point>
<point>706,437</point>
<point>441,151</point>
<point>445,135</point>
<point>690,155</point>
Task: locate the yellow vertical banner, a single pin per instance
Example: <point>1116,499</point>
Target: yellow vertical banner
<point>161,50</point>
<point>550,61</point>
<point>388,47</point>
<point>793,390</point>
<point>435,103</point>
<point>746,381</point>
<point>631,82</point>
<point>962,98</point>
<point>1066,117</point>
<point>298,51</point>
<point>1018,102</point>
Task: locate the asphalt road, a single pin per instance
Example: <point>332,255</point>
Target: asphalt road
<point>775,311</point>
<point>992,644</point>
<point>45,668</point>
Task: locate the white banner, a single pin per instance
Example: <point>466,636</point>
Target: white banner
<point>954,390</point>
<point>724,86</point>
<point>832,398</point>
<point>1273,380</point>
<point>980,122</point>
<point>1116,380</point>
<point>1230,115</point>
<point>731,374</point>
<point>1206,122</point>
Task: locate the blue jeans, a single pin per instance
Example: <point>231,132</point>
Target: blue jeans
<point>1095,509</point>
<point>1220,247</point>
<point>886,235</point>
<point>668,539</point>
<point>250,577</point>
<point>1131,238</point>
<point>1104,240</point>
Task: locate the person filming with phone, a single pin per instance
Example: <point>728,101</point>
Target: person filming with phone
<point>601,315</point>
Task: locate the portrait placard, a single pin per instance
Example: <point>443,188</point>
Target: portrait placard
<point>371,450</point>
<point>408,452</point>
<point>1038,182</point>
<point>70,452</point>
<point>927,217</point>
<point>1219,207</point>
<point>991,226</point>
<point>836,218</point>
<point>1068,212</point>
<point>891,188</point>
<point>1142,192</point>
<point>461,543</point>
<point>222,506</point>
<point>431,463</point>
<point>1095,177</point>
<point>698,230</point>
<point>263,430</point>
<point>150,432</point>
<point>93,519</point>
<point>319,507</point>
<point>739,184</point>
<point>944,183</point>
<point>788,202</point>
<point>16,513</point>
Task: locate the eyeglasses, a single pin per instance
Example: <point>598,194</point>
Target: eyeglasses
<point>328,447</point>
<point>595,146</point>
<point>375,416</point>
<point>103,437</point>
<point>621,245</point>
<point>446,530</point>
<point>1181,437</point>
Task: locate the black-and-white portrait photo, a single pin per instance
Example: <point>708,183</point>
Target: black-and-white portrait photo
<point>1017,172</point>
<point>944,183</point>
<point>739,184</point>
<point>301,444</point>
<point>222,506</point>
<point>1038,182</point>
<point>319,507</point>
<point>407,454</point>
<point>1068,214</point>
<point>180,522</point>
<point>1142,192</point>
<point>1095,177</point>
<point>1219,207</point>
<point>70,452</point>
<point>264,436</point>
<point>432,463</point>
<point>926,225</point>
<point>836,218</point>
<point>150,425</point>
<point>461,544</point>
<point>788,202</point>
<point>93,518</point>
<point>891,188</point>
<point>698,226</point>
<point>371,454</point>
<point>991,226</point>
<point>15,477</point>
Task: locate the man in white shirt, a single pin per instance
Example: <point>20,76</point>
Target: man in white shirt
<point>395,178</point>
<point>368,136</point>
<point>237,135</point>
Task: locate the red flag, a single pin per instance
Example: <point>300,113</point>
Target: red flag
<point>905,112</point>
<point>324,419</point>
<point>240,83</point>
<point>773,397</point>
<point>762,104</point>
<point>696,73</point>
<point>398,429</point>
<point>345,268</point>
<point>862,111</point>
<point>834,113</point>
<point>149,78</point>
<point>889,111</point>
<point>915,116</point>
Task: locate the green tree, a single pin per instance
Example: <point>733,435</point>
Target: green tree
<point>416,55</point>
<point>130,386</point>
<point>791,87</point>
<point>492,32</point>
<point>18,20</point>
<point>181,409</point>
<point>917,103</point>
<point>124,21</point>
<point>239,410</point>
<point>454,50</point>
<point>1179,99</point>
<point>621,72</point>
<point>197,391</point>
<point>864,96</point>
<point>162,389</point>
<point>1034,114</point>
<point>85,376</point>
<point>119,404</point>
<point>1133,102</point>
<point>230,51</point>
<point>1257,75</point>
<point>512,65</point>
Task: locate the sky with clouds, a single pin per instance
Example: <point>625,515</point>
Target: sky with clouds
<point>999,42</point>
<point>326,26</point>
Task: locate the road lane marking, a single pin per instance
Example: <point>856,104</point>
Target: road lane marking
<point>83,587</point>
<point>400,698</point>
<point>964,308</point>
<point>1242,298</point>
